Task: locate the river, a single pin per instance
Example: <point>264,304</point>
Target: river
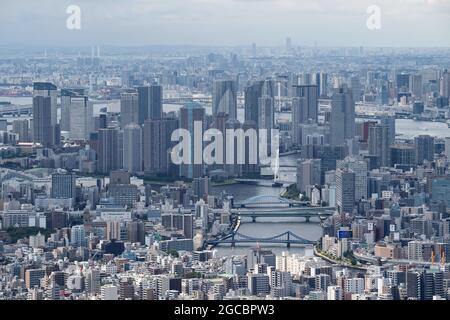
<point>267,227</point>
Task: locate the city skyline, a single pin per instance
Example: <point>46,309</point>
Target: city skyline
<point>316,168</point>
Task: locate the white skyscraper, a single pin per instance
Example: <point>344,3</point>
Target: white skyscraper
<point>78,236</point>
<point>359,167</point>
<point>81,115</point>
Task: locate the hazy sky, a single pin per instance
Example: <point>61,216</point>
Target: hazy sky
<point>226,22</point>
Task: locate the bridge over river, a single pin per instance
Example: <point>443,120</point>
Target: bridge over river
<point>287,238</point>
<point>269,206</point>
<point>276,206</point>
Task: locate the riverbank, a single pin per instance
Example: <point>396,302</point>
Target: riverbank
<point>228,182</point>
<point>340,263</point>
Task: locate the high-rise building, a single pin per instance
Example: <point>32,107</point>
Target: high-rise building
<point>192,114</point>
<point>323,88</point>
<point>150,103</point>
<point>414,284</point>
<point>310,112</point>
<point>433,283</point>
<point>379,144</point>
<point>224,98</point>
<point>328,154</point>
<point>354,285</point>
<point>424,145</point>
<point>219,123</point>
<point>109,292</point>
<point>402,156</point>
<point>46,89</point>
<point>447,147</point>
<point>157,145</point>
<point>66,96</point>
<point>63,186</point>
<point>180,221</point>
<point>42,125</point>
<point>126,289</point>
<point>402,81</point>
<point>424,284</point>
<point>308,174</point>
<point>355,86</point>
<point>445,84</point>
<point>418,107</point>
<point>258,284</point>
<point>80,120</point>
<point>200,186</point>
<point>416,85</point>
<point>383,95</point>
<point>108,150</point>
<point>252,95</point>
<point>78,236</point>
<point>123,194</point>
<point>33,277</point>
<point>390,122</point>
<point>342,118</point>
<point>440,190</point>
<point>266,117</point>
<point>250,167</point>
<point>359,168</point>
<point>270,88</point>
<point>93,281</point>
<point>299,117</point>
<point>136,232</point>
<point>304,79</point>
<point>129,108</point>
<point>322,281</point>
<point>22,129</point>
<point>345,190</point>
<point>335,293</point>
<point>132,148</point>
<point>233,166</point>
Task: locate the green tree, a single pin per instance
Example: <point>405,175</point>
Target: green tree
<point>173,253</point>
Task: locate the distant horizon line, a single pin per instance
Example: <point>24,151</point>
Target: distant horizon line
<point>249,45</point>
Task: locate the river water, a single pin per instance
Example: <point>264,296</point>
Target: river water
<point>267,227</point>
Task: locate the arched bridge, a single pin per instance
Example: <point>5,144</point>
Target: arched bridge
<point>275,207</point>
<point>264,201</point>
<point>287,238</point>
